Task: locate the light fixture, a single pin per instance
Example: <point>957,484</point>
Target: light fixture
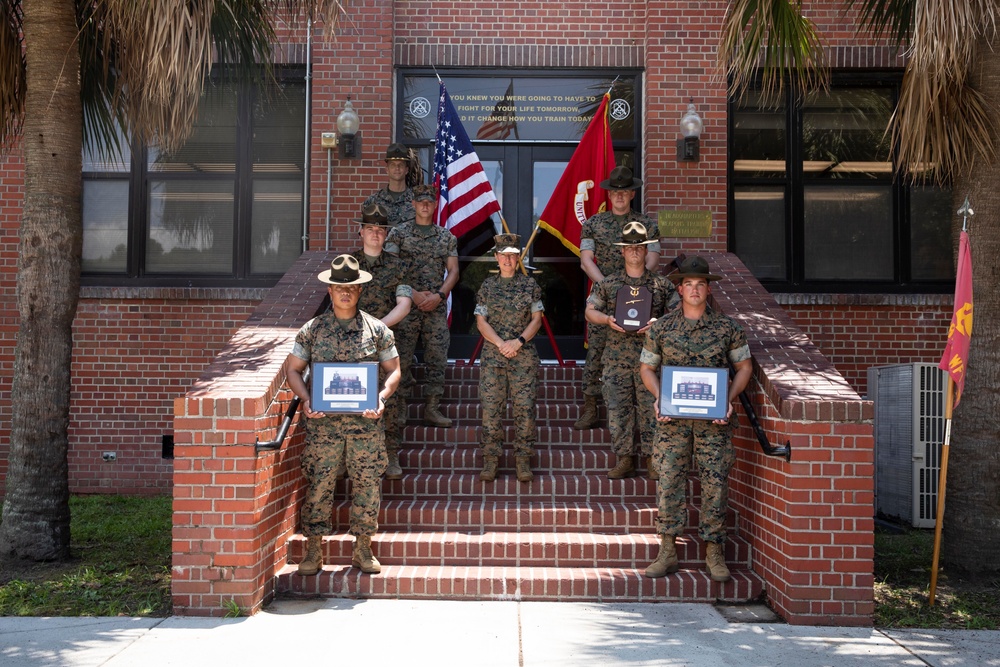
<point>691,127</point>
<point>347,126</point>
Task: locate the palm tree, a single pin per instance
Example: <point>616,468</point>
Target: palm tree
<point>943,132</point>
<point>135,64</point>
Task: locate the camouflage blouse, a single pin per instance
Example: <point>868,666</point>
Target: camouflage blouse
<point>378,297</point>
<point>424,251</point>
<point>622,350</point>
<point>398,205</point>
<point>710,342</point>
<point>507,304</point>
<point>601,231</point>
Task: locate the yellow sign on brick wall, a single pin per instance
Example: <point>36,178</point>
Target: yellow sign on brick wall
<point>685,224</point>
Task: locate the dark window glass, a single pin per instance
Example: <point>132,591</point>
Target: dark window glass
<point>815,205</point>
<point>225,208</point>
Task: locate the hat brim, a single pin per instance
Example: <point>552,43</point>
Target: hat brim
<point>363,277</point>
<point>646,242</point>
<point>606,185</point>
<point>365,223</point>
<point>677,277</point>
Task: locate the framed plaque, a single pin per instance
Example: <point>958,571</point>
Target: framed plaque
<point>694,393</point>
<point>632,307</point>
<point>346,388</point>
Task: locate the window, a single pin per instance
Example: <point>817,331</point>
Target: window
<point>813,201</point>
<point>225,209</point>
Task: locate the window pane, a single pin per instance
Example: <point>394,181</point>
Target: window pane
<point>848,233</point>
<point>276,226</point>
<point>105,226</point>
<point>759,231</point>
<point>931,215</point>
<point>212,146</point>
<point>758,144</point>
<point>279,129</point>
<point>843,134</point>
<point>190,227</point>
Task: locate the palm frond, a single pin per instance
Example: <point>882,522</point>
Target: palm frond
<point>12,70</point>
<point>942,128</point>
<point>774,39</point>
<point>886,18</point>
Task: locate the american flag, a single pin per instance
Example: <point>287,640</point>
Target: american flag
<point>465,196</point>
<point>503,120</point>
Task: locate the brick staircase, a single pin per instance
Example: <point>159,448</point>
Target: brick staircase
<point>571,534</point>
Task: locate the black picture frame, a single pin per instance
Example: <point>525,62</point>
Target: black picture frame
<point>688,392</point>
<point>344,388</point>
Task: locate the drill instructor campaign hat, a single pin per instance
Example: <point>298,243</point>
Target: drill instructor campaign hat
<point>374,215</point>
<point>397,152</point>
<point>634,233</point>
<point>345,270</point>
<point>621,179</point>
<point>693,267</point>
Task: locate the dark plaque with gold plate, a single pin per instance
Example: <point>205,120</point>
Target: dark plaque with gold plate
<point>632,307</point>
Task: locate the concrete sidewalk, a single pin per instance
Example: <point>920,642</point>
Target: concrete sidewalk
<point>507,634</point>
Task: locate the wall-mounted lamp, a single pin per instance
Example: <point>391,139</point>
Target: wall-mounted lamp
<point>347,126</point>
<point>691,127</point>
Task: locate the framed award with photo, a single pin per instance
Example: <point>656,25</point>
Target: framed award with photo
<point>344,388</point>
<point>694,393</point>
<point>632,307</point>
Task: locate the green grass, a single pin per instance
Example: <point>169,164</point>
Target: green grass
<point>120,564</point>
<point>902,588</point>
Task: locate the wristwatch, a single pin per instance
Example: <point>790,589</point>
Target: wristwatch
<point>442,295</point>
<point>521,338</point>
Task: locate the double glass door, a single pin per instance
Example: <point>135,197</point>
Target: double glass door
<point>523,178</point>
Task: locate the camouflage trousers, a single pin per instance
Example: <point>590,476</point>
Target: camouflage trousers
<point>630,406</point>
<point>711,447</point>
<point>432,329</point>
<point>597,338</point>
<point>330,441</point>
<point>516,383</point>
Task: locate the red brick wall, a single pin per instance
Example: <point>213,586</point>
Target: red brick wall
<point>856,332</point>
<point>131,358</point>
<point>11,196</point>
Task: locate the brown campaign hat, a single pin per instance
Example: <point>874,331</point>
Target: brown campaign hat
<point>345,270</point>
<point>397,152</point>
<point>634,233</point>
<point>621,179</point>
<point>374,215</point>
<point>693,267</point>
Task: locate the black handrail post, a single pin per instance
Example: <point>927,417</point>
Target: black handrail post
<point>784,451</point>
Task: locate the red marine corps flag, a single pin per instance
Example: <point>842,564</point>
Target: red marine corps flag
<point>577,195</point>
<point>956,350</point>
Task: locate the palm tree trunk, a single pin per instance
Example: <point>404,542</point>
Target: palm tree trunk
<point>971,539</point>
<point>36,506</point>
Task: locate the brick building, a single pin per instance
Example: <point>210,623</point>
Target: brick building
<point>181,250</point>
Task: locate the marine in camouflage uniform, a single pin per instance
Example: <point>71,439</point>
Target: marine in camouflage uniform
<point>508,313</point>
<point>348,335</point>
<point>694,335</point>
<point>430,257</point>
<point>597,238</point>
<point>398,203</point>
<point>381,297</point>
<point>629,404</point>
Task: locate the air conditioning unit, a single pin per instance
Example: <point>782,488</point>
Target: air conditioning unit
<point>909,432</point>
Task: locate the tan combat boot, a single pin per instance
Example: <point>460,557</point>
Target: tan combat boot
<point>393,471</point>
<point>363,556</point>
<point>588,419</point>
<point>523,467</point>
<point>489,472</point>
<point>313,562</point>
<point>666,560</point>
<point>624,467</point>
<point>432,413</point>
<point>651,471</point>
<point>716,562</point>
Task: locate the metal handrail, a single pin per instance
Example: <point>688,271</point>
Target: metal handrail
<point>784,451</point>
<point>286,423</point>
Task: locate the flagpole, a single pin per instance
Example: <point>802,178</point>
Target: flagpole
<point>963,270</point>
<point>942,487</point>
<point>524,270</point>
